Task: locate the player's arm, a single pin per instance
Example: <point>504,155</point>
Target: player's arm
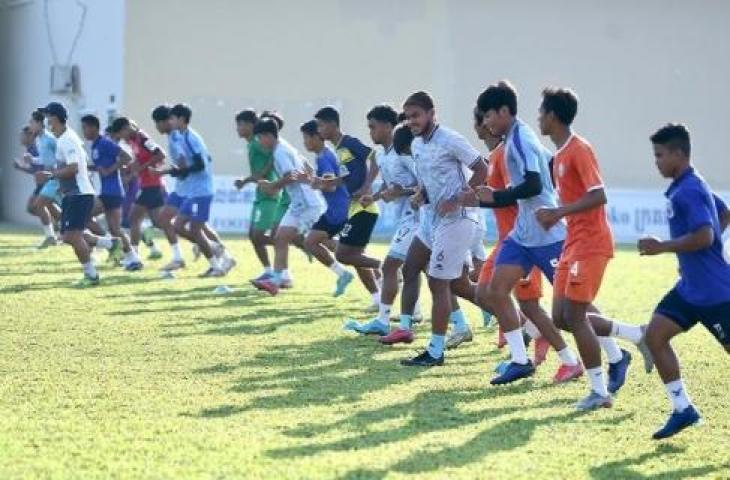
<point>722,212</point>
<point>22,166</point>
<point>592,199</point>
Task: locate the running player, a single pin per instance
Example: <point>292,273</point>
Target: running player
<point>357,177</point>
<point>46,204</point>
<point>78,193</point>
<point>697,219</point>
<point>320,241</point>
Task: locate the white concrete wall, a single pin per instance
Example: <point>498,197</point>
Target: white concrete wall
<point>25,62</point>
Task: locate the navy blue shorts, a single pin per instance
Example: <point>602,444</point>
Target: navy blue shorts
<point>111,202</point>
<point>358,229</point>
<point>545,258</point>
<point>76,212</point>
<point>197,209</point>
<point>151,197</point>
<point>323,225</point>
<point>175,200</point>
<point>715,318</point>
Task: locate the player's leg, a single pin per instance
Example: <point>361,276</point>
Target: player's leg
<point>167,214</point>
<point>319,243</point>
<point>354,238</point>
<point>197,211</point>
<point>76,211</point>
<point>262,220</point>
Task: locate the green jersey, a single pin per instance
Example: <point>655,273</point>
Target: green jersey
<point>258,159</point>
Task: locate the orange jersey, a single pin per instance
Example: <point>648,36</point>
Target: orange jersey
<point>576,173</point>
<point>497,179</point>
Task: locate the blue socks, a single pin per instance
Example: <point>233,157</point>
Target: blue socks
<point>405,321</point>
<point>436,346</point>
<point>458,320</point>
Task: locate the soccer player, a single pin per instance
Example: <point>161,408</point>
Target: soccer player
<point>30,164</point>
<point>357,177</point>
<point>445,162</point>
<point>697,219</point>
<point>46,203</point>
<point>107,159</point>
<point>78,193</point>
<point>399,182</point>
<point>307,205</point>
<point>320,240</point>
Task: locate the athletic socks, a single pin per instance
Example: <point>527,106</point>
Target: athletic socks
<point>90,269</point>
<point>405,321</point>
<point>598,384</point>
<point>337,268</point>
<point>516,346</point>
<point>268,270</point>
<point>568,357</point>
<point>376,297</point>
<point>531,330</point>
<point>458,320</point>
<point>613,352</point>
<point>214,263</point>
<point>384,314</point>
<point>104,242</point>
<point>176,252</point>
<point>48,230</point>
<point>677,395</point>
<point>630,333</point>
<point>436,345</point>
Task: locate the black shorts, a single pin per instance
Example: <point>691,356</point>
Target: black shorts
<point>151,197</point>
<point>715,318</point>
<point>111,202</point>
<point>76,212</point>
<point>358,229</point>
<point>323,225</point>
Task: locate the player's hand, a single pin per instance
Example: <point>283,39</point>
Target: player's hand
<point>364,190</point>
<point>366,200</point>
<point>27,158</point>
<point>650,246</point>
<point>484,194</point>
<point>548,217</point>
<point>42,176</point>
<point>468,197</point>
<point>18,164</point>
<point>416,200</point>
<point>239,183</point>
<point>448,206</point>
<point>266,187</point>
<point>302,177</point>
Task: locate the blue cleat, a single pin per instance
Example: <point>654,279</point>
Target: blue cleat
<point>513,372</point>
<point>373,327</point>
<point>594,401</point>
<point>343,282</point>
<point>617,372</point>
<point>501,367</point>
<point>677,422</point>
<point>488,320</point>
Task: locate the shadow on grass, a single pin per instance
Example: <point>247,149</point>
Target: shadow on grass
<point>622,468</point>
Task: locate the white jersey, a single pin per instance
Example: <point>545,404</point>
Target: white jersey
<point>443,163</point>
<point>70,150</point>
<point>287,159</point>
<point>397,170</point>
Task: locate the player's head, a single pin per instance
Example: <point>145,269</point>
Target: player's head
<point>498,104</point>
<point>56,114</point>
<point>245,121</point>
<point>484,134</point>
<point>161,117</point>
<point>267,131</point>
<point>382,119</point>
<point>26,136</point>
<point>37,120</point>
<point>328,122</point>
<point>275,116</point>
<point>420,112</point>
<point>402,139</point>
<point>558,109</point>
<point>310,134</point>
<point>123,128</point>
<point>672,149</point>
<point>90,126</point>
<point>180,116</point>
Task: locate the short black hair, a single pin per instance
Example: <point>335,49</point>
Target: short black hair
<point>419,99</point>
<point>384,114</point>
<point>673,136</point>
<point>161,113</point>
<point>119,123</point>
<point>247,116</point>
<point>266,125</point>
<point>328,114</point>
<point>91,120</point>
<point>183,111</point>
<point>309,128</point>
<point>37,115</point>
<point>275,116</point>
<point>402,139</point>
<point>402,117</point>
<point>562,102</point>
<point>501,94</point>
<point>26,130</point>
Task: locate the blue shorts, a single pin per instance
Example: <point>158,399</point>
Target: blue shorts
<point>76,212</point>
<point>111,202</point>
<point>174,200</point>
<point>50,190</point>
<point>715,318</point>
<point>197,209</point>
<point>545,258</point>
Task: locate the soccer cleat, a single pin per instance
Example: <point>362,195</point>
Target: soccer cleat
<point>87,281</point>
<point>264,276</point>
<point>617,372</point>
<point>513,372</point>
<point>645,352</point>
<point>373,308</point>
<point>542,346</point>
<point>501,367</point>
<point>567,373</point>
<point>593,401</point>
<point>286,283</point>
<point>196,253</point>
<point>154,254</point>
<point>488,320</point>
<point>501,341</point>
<point>148,236</point>
<point>457,338</point>
<point>373,327</point>
<point>423,360</point>
<point>212,272</point>
<point>268,286</point>
<point>677,422</point>
<point>47,242</point>
<point>417,318</point>
<point>134,266</point>
<point>228,263</point>
<point>342,282</point>
<point>399,335</point>
<point>173,265</point>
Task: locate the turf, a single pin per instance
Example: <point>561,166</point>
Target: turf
<point>149,378</point>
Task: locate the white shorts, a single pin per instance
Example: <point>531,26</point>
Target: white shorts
<point>302,217</point>
<point>425,229</point>
<point>404,233</point>
<point>451,248</point>
<point>477,247</point>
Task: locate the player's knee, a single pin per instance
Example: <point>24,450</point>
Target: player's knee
<point>310,242</point>
<point>343,256</point>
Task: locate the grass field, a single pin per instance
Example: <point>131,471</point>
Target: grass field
<point>150,378</point>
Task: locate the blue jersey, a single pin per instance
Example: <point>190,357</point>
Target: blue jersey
<point>200,183</point>
<point>338,201</point>
<point>104,153</point>
<point>524,153</point>
<point>177,158</point>
<point>704,274</point>
<point>45,143</point>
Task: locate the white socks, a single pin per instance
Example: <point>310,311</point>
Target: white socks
<point>89,269</point>
<point>176,252</point>
<point>516,346</point>
<point>567,357</point>
<point>630,333</point>
<point>48,230</point>
<point>678,395</point>
<point>104,242</point>
<point>610,346</point>
<point>598,384</point>
<point>337,269</point>
<point>214,263</point>
<point>531,330</point>
<point>376,298</point>
<point>384,314</point>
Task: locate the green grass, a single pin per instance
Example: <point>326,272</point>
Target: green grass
<point>150,378</point>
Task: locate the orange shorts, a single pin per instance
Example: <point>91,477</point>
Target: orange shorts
<point>579,280</point>
<point>526,290</point>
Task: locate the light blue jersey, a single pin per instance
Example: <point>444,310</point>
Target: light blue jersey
<point>200,183</point>
<point>177,158</point>
<point>524,153</point>
<point>46,145</point>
